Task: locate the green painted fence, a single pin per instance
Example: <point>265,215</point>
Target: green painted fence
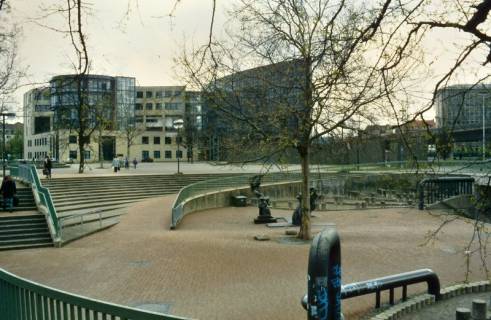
<point>21,299</point>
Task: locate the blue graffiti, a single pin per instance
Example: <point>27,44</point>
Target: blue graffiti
<point>322,302</point>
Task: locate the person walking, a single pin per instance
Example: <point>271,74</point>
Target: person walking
<point>116,164</point>
<point>8,190</point>
<point>135,162</point>
<point>126,163</point>
<point>47,166</point>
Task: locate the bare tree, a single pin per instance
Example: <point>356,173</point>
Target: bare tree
<point>10,72</point>
<point>335,51</point>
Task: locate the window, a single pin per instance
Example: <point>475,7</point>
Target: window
<point>29,155</point>
<point>73,154</point>
<point>168,154</point>
<point>139,94</point>
<point>145,154</point>
<point>171,106</point>
<point>149,106</point>
<point>138,119</point>
<point>144,140</point>
<point>29,144</point>
<point>177,93</point>
<point>148,94</point>
<point>72,139</point>
<point>156,154</point>
<point>168,140</point>
<point>138,106</point>
<point>179,140</point>
<point>156,140</point>
<point>87,155</point>
<point>158,106</point>
<point>167,93</point>
<point>179,154</point>
<point>158,94</point>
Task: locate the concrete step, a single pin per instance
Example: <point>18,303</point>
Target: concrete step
<point>26,235</point>
<point>28,241</point>
<point>93,190</point>
<point>62,204</point>
<point>26,246</point>
<point>18,230</point>
<point>97,194</point>
<point>129,186</point>
<point>90,206</point>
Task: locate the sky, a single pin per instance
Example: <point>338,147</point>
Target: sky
<point>138,38</point>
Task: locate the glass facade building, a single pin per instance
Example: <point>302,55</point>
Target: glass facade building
<point>111,98</point>
<point>463,107</point>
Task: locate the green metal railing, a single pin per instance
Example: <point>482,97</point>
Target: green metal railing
<point>21,299</point>
<point>29,174</point>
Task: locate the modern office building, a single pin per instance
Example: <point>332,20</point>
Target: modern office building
<point>270,97</point>
<point>123,120</point>
<point>464,112</point>
<point>463,106</point>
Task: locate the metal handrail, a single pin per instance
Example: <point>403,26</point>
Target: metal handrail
<point>28,173</point>
<point>458,185</point>
<point>81,216</point>
<point>25,299</point>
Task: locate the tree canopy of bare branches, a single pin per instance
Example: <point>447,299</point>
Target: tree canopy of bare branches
<point>337,52</point>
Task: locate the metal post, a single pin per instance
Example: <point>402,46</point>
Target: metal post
<point>178,152</point>
<point>324,278</point>
<point>483,130</point>
<point>4,114</point>
<point>3,143</point>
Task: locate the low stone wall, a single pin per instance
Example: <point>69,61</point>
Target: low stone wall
<point>223,198</point>
<point>416,303</point>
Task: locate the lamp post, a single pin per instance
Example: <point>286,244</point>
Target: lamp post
<point>4,115</point>
<point>483,129</point>
<point>178,124</point>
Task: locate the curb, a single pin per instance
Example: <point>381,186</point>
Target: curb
<point>424,300</point>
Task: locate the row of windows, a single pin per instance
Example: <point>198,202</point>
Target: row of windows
<point>156,154</point>
<point>159,94</point>
<point>156,140</point>
<point>37,155</point>
<point>158,106</point>
<point>73,154</point>
<point>38,142</point>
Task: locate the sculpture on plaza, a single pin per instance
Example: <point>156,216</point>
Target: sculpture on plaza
<point>297,214</point>
<point>263,202</point>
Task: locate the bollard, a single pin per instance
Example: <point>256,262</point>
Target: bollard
<point>324,278</point>
<point>462,314</point>
<point>479,309</point>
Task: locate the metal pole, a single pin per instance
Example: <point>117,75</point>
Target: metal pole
<point>3,143</point>
<point>178,150</point>
<point>483,131</point>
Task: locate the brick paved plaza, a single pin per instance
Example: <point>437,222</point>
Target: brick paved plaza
<point>211,268</point>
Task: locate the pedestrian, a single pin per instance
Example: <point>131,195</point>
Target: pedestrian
<point>135,162</point>
<point>126,163</point>
<point>116,164</point>
<point>8,190</point>
<point>47,166</point>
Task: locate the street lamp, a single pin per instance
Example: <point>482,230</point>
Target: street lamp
<point>4,115</point>
<point>178,124</point>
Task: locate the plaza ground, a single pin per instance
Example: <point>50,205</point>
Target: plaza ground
<point>212,268</point>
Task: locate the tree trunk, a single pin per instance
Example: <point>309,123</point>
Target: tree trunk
<point>305,228</point>
<point>82,155</point>
<point>128,145</point>
<point>101,157</point>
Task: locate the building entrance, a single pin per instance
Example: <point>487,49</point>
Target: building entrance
<point>108,148</point>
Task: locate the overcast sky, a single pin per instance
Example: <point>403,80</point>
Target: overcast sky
<point>144,43</point>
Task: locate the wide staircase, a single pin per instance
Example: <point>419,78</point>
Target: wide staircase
<point>111,195</point>
<point>24,227</point>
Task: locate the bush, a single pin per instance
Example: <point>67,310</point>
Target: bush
<point>147,160</point>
